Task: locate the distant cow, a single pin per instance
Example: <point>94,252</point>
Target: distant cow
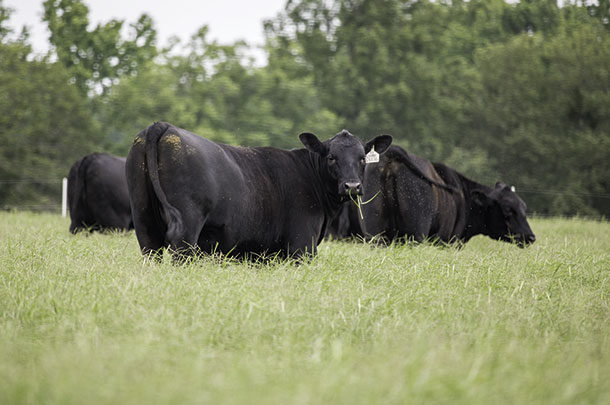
<point>97,194</point>
<point>187,192</point>
<point>420,200</point>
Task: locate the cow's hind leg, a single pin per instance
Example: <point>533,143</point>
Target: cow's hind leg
<point>183,244</point>
<point>150,233</point>
<point>145,210</point>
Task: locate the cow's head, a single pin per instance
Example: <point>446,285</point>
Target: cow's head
<point>504,214</point>
<point>342,159</point>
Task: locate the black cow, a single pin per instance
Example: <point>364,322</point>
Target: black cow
<point>97,194</point>
<point>188,192</point>
<point>420,200</point>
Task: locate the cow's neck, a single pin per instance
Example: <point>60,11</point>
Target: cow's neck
<point>475,224</point>
<point>475,221</point>
<point>324,188</point>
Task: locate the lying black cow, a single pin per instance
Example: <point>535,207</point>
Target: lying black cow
<point>188,192</point>
<point>420,200</point>
<point>97,194</point>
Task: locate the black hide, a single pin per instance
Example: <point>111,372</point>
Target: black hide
<point>190,193</point>
<point>97,194</point>
<point>420,200</point>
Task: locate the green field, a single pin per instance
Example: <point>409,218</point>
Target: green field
<point>85,320</point>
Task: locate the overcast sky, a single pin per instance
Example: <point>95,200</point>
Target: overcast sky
<point>228,20</point>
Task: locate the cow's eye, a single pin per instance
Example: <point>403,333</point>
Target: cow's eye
<point>331,159</point>
<point>362,160</point>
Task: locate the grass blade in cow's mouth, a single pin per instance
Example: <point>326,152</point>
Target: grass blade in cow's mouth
<point>359,203</point>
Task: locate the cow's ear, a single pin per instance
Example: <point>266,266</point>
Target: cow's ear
<point>381,143</point>
<point>312,143</point>
<point>480,198</point>
<point>500,185</point>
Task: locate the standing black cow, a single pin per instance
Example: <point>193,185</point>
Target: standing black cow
<point>97,194</point>
<point>418,200</point>
<point>187,192</point>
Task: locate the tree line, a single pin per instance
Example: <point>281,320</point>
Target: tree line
<point>518,92</point>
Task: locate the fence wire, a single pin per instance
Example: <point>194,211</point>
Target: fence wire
<point>30,181</point>
<point>52,207</point>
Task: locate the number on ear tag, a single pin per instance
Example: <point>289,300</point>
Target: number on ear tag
<point>372,156</point>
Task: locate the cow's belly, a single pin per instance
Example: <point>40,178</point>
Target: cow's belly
<point>238,239</point>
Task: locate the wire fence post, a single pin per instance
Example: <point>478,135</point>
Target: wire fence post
<point>64,197</point>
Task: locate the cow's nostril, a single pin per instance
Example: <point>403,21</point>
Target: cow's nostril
<point>531,238</point>
<point>352,187</point>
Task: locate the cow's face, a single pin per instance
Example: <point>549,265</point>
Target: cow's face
<point>343,159</point>
<point>505,215</point>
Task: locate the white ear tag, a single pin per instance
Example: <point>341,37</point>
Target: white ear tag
<point>372,156</point>
<point>512,188</point>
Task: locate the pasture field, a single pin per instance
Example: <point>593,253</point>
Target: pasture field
<point>86,320</point>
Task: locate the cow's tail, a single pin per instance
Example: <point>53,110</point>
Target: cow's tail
<point>169,213</point>
<point>403,156</point>
<point>77,192</point>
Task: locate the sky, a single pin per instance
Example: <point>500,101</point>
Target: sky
<point>228,20</point>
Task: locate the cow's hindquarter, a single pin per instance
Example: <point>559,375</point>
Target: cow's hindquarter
<point>145,208</point>
<point>193,174</point>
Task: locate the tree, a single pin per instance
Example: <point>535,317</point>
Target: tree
<point>512,91</point>
<point>5,14</point>
<point>499,90</point>
<point>97,58</point>
<point>545,114</point>
<point>46,125</point>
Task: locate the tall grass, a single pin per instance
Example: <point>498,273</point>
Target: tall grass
<point>85,319</point>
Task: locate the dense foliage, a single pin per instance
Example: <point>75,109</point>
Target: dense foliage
<point>518,92</point>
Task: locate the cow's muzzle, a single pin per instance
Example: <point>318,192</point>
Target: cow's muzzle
<point>350,188</point>
<point>526,240</point>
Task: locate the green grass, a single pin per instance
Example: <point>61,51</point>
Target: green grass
<point>85,319</point>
